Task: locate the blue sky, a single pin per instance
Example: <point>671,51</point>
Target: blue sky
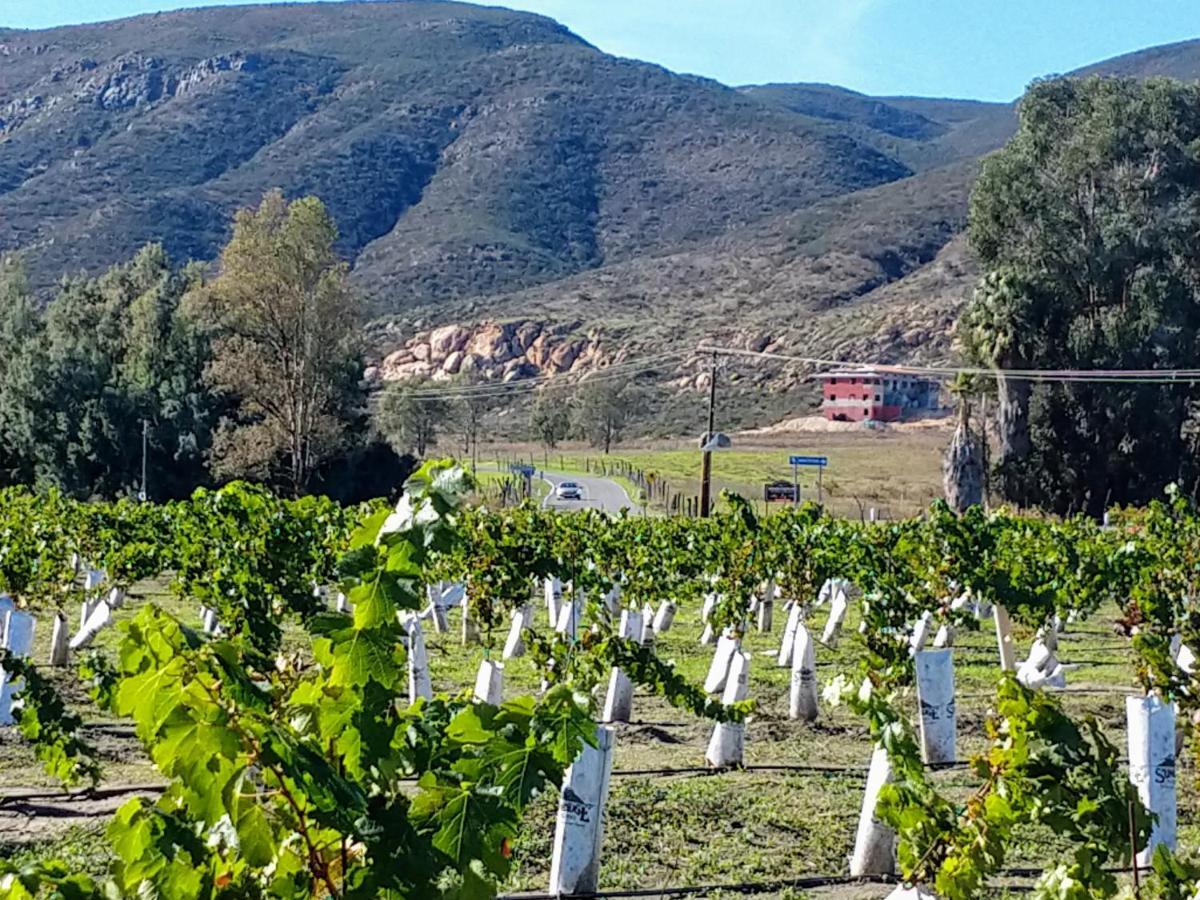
<point>987,49</point>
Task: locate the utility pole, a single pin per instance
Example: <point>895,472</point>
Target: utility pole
<point>145,494</point>
<point>706,455</point>
<point>983,445</point>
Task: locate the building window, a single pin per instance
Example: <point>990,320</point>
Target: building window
<point>877,398</point>
<point>866,397</point>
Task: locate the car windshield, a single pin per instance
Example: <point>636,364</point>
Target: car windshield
<point>568,484</point>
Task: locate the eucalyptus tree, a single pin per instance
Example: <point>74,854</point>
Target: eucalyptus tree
<point>1086,224</point>
<point>284,327</point>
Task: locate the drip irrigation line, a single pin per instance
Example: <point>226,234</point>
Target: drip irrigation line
<point>801,882</point>
<point>799,768</point>
<point>82,794</point>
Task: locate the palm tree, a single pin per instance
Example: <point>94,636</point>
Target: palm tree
<point>994,330</point>
<point>962,467</point>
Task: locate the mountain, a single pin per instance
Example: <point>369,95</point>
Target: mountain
<point>484,164</point>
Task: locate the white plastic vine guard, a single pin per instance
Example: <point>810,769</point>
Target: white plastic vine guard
<point>874,843</point>
<point>802,698</point>
<point>718,670</point>
<point>579,826</point>
<point>1150,723</point>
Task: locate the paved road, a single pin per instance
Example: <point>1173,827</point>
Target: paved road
<point>598,493</point>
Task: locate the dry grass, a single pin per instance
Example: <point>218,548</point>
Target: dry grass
<point>896,471</point>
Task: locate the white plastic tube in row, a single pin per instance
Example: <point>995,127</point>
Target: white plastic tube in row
<point>935,697</point>
<point>802,699</point>
<point>728,742</point>
<point>618,703</point>
<point>795,614</point>
<point>17,627</point>
<point>1150,723</point>
<point>579,826</point>
<point>874,843</point>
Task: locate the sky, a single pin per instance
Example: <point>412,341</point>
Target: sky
<point>982,49</point>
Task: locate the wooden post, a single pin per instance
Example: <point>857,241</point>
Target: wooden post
<point>1004,639</point>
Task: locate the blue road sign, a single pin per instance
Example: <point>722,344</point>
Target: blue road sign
<point>808,461</point>
<point>522,469</point>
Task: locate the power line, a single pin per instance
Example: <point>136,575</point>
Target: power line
<point>630,367</point>
<point>1122,376</point>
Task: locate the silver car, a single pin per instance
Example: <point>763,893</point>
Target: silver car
<point>568,490</point>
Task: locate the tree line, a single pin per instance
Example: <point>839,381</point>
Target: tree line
<point>254,372</point>
<point>251,369</point>
<point>417,416</point>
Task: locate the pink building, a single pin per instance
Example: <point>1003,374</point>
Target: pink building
<point>879,395</point>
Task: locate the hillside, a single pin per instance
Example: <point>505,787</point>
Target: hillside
<point>484,164</point>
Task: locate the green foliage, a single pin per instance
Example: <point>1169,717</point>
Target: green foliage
<point>78,382</point>
<point>550,418</point>
<point>601,411</point>
<point>409,423</point>
<point>54,731</point>
<point>255,558</point>
<point>1172,878</point>
<point>291,781</point>
<point>283,324</point>
<point>1040,768</point>
<point>1085,224</point>
<point>294,774</point>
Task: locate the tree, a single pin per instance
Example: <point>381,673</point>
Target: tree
<point>78,382</point>
<point>1086,224</point>
<point>469,410</point>
<point>962,466</point>
<point>20,336</point>
<point>284,329</point>
<point>408,421</point>
<point>601,412</point>
<point>550,418</point>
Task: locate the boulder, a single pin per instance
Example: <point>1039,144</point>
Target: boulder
<point>491,343</point>
<point>563,356</point>
<point>397,358</point>
<point>525,334</point>
<point>448,339</point>
<point>453,362</point>
<point>420,351</point>
<point>758,343</point>
<point>517,369</point>
<point>538,353</point>
<point>414,369</point>
<point>469,364</point>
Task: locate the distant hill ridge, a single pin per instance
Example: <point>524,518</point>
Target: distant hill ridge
<point>484,164</point>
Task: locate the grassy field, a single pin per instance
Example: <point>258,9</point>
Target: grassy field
<point>688,828</point>
<point>898,472</point>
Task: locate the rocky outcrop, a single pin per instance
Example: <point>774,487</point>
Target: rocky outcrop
<point>135,79</point>
<point>494,351</point>
<point>125,82</point>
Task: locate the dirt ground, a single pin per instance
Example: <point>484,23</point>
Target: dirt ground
<point>790,814</point>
